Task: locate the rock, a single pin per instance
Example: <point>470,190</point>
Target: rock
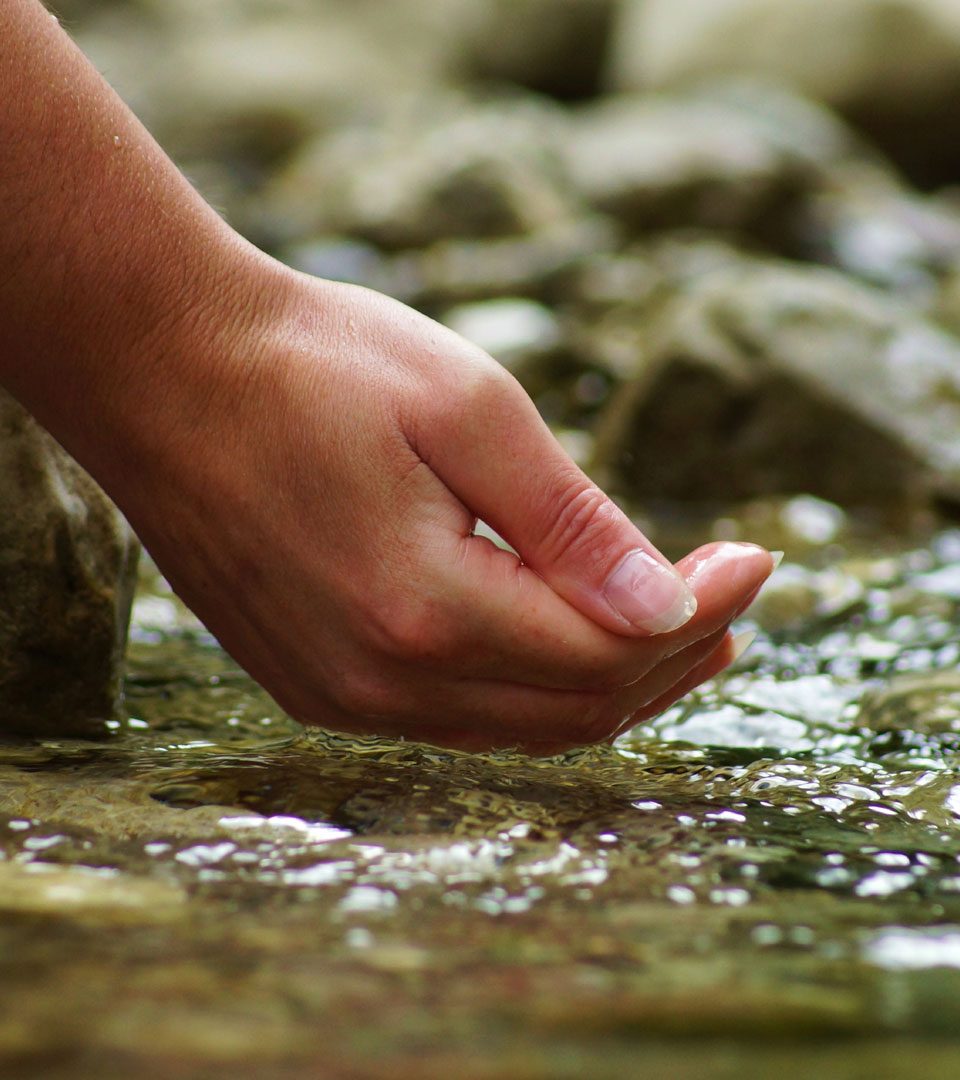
<point>871,227</point>
<point>510,329</point>
<point>891,66</point>
<point>246,78</point>
<point>799,599</point>
<point>339,258</point>
<point>442,170</point>
<point>926,702</point>
<point>735,155</point>
<point>533,265</point>
<point>766,377</point>
<point>532,343</point>
<point>555,47</point>
<point>68,563</point>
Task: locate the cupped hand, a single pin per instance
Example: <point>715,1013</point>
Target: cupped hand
<point>314,501</point>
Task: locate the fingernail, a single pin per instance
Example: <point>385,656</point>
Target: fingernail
<point>741,643</point>
<point>649,595</point>
<point>777,557</point>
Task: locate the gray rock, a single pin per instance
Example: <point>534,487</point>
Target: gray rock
<point>766,377</point>
<point>247,77</point>
<point>556,47</point>
<point>871,227</point>
<point>534,345</point>
<point>533,265</point>
<point>510,329</point>
<point>67,573</point>
<point>927,702</point>
<point>892,66</point>
<point>440,170</point>
<point>734,155</point>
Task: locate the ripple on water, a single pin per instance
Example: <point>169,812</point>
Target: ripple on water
<point>792,825</point>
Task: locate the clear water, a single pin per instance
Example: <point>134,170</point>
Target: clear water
<point>763,881</point>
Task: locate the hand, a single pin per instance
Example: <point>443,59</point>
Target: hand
<point>315,507</point>
<point>306,461</point>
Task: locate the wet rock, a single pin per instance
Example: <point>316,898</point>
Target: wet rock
<point>734,156</point>
<point>616,297</point>
<point>68,572</point>
<point>442,170</point>
<point>927,702</point>
<point>797,598</point>
<point>892,66</point>
<point>80,892</point>
<point>767,377</point>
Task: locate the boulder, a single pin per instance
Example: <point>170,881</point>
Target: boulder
<point>891,66</point>
<point>247,79</point>
<point>438,170</point>
<point>735,155</point>
<point>555,47</point>
<point>766,377</point>
<point>533,265</point>
<point>67,573</point>
<point>871,227</point>
<point>926,702</point>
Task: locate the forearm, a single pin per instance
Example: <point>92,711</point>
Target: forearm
<point>109,260</point>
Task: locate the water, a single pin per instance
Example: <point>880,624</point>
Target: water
<point>765,880</point>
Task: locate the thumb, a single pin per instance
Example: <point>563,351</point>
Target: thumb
<point>500,459</point>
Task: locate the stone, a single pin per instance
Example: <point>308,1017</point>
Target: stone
<point>441,169</point>
<point>533,344</point>
<point>873,228</point>
<point>927,702</point>
<point>533,265</point>
<point>248,80</point>
<point>765,377</point>
<point>555,47</point>
<point>735,155</point>
<point>68,564</point>
<point>890,66</point>
<point>510,329</point>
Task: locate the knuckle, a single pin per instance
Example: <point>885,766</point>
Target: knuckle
<point>579,519</point>
<point>483,390</point>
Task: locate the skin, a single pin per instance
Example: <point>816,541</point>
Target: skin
<point>306,460</point>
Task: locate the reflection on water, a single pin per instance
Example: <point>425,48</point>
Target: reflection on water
<point>776,857</point>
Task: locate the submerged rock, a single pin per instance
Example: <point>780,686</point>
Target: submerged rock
<point>927,702</point>
<point>68,562</point>
<point>771,378</point>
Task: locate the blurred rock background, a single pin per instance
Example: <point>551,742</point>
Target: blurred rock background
<point>718,241</point>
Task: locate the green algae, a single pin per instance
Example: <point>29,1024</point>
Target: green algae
<point>764,879</point>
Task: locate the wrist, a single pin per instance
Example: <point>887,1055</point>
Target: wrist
<point>182,367</point>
